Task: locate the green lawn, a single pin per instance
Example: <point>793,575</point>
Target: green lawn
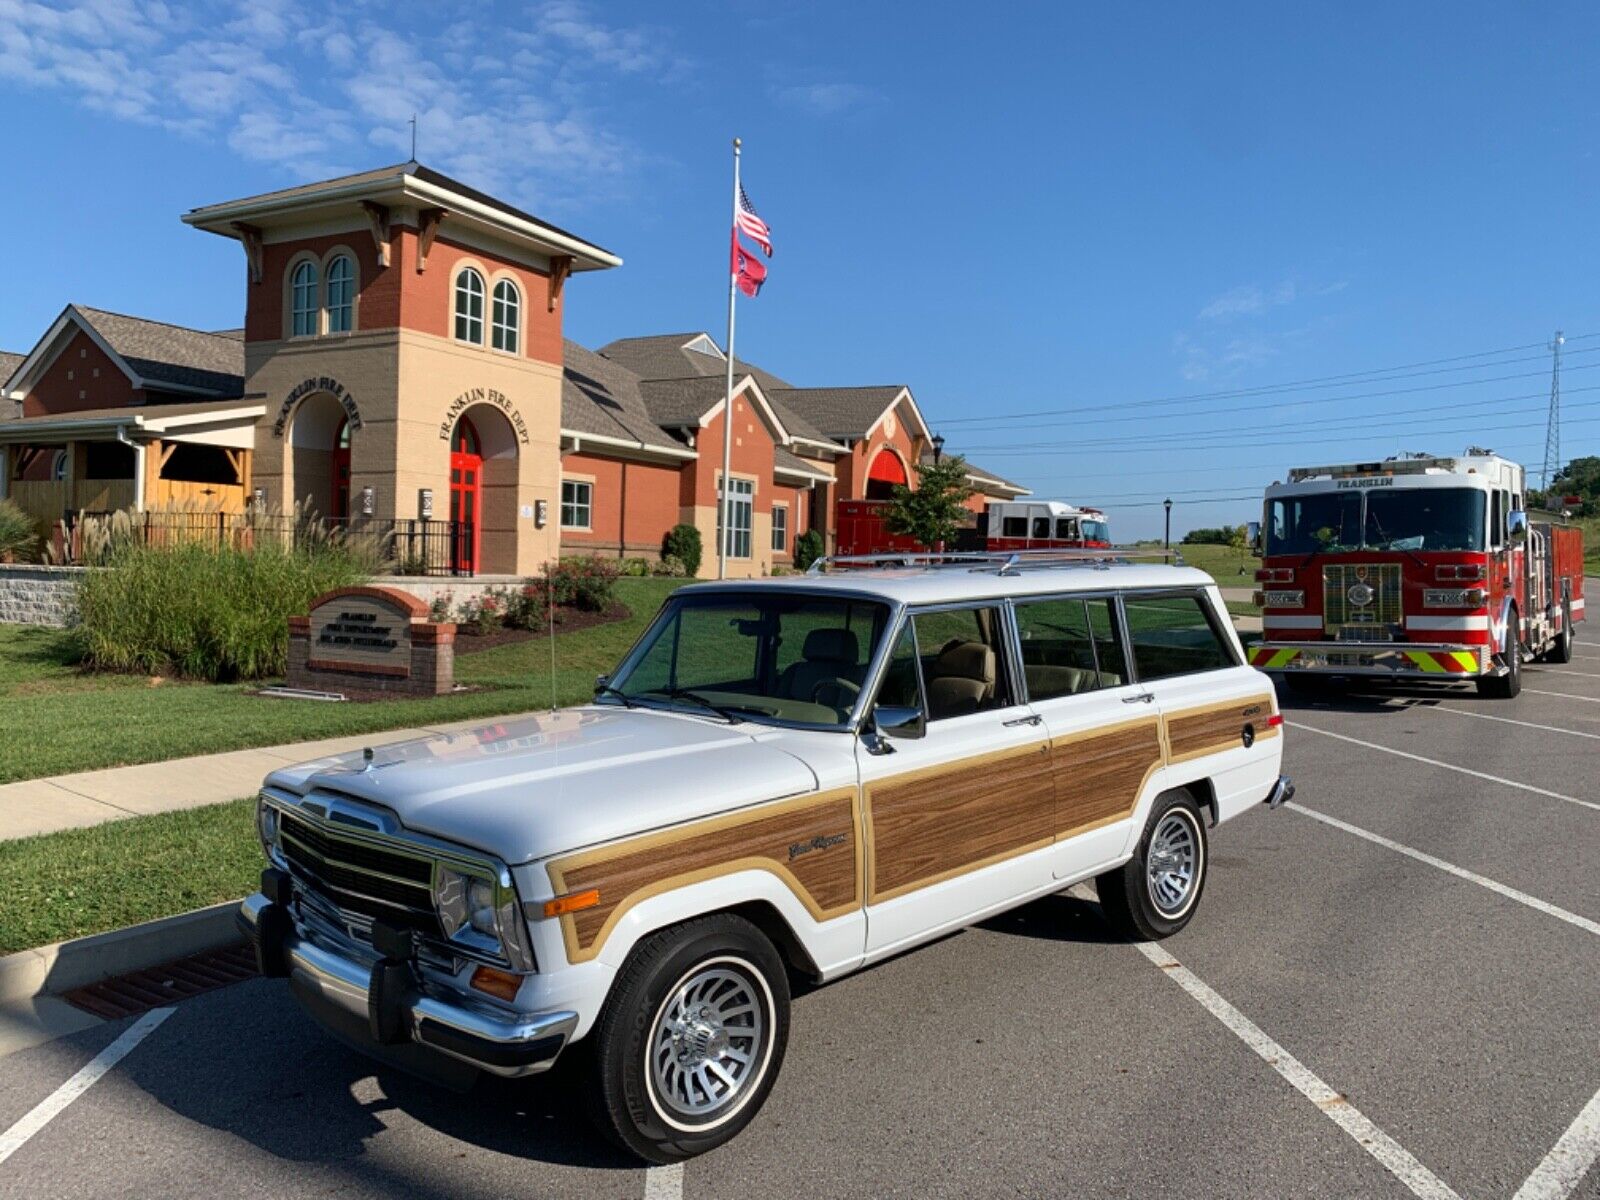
<point>82,881</point>
<point>1222,564</point>
<point>60,720</point>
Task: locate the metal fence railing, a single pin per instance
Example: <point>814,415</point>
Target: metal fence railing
<point>411,547</point>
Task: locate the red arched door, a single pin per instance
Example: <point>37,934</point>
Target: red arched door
<point>466,485</point>
<point>340,491</point>
<point>887,470</point>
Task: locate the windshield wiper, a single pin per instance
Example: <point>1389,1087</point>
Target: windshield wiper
<point>605,689</point>
<point>690,694</point>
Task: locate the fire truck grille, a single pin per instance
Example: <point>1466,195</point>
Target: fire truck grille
<point>1344,584</point>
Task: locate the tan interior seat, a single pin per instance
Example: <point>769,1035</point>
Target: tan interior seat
<point>826,657</point>
<point>961,680</point>
<point>1047,679</point>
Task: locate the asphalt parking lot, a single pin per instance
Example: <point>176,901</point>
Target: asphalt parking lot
<point>1391,988</point>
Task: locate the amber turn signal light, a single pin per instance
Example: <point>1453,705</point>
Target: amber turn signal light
<point>501,984</point>
<point>573,902</point>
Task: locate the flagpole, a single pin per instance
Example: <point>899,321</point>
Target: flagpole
<point>725,495</point>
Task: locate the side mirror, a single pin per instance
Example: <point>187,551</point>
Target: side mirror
<point>1253,533</point>
<point>601,681</point>
<point>1517,527</point>
<point>893,720</point>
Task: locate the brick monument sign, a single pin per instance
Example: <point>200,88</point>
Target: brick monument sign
<point>371,639</point>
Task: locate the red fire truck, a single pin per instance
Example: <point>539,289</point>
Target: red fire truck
<point>1421,567</point>
<point>1005,525</point>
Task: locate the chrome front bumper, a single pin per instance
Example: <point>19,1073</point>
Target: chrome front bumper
<point>337,987</point>
<point>1418,660</point>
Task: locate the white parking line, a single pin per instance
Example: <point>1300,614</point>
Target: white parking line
<point>1461,712</point>
<point>664,1183</point>
<point>1569,1160</point>
<point>1433,762</point>
<point>1511,893</point>
<point>52,1105</point>
<point>1395,1157</point>
<point>1564,695</point>
<point>1562,671</point>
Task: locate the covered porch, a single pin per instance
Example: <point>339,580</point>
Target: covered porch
<point>195,457</point>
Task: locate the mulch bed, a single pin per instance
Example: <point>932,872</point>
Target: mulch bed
<point>568,620</point>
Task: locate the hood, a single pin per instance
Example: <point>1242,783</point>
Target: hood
<point>532,786</point>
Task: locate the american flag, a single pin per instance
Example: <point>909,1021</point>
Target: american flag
<point>748,222</point>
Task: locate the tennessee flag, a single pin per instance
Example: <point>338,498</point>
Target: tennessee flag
<point>748,272</point>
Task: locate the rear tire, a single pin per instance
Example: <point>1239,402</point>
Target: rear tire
<point>1507,686</point>
<point>1561,649</point>
<point>1155,893</point>
<point>691,1038</point>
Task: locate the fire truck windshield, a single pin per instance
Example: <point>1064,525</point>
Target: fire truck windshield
<point>1096,531</point>
<point>1397,519</point>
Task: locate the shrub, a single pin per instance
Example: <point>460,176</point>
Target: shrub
<point>807,549</point>
<point>528,607</point>
<point>439,610</point>
<point>586,583</point>
<point>670,567</point>
<point>17,535</point>
<point>635,567</point>
<point>683,543</point>
<point>217,613</point>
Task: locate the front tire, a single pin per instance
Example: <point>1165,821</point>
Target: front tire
<point>691,1039</point>
<point>1155,893</point>
<point>1507,686</point>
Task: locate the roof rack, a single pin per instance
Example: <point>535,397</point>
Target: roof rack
<point>1004,562</point>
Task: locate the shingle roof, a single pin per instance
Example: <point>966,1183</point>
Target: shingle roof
<point>839,412</point>
<point>662,356</point>
<point>143,412</point>
<point>977,472</point>
<point>782,460</point>
<point>9,362</point>
<point>602,398</point>
<point>678,402</point>
<point>172,354</point>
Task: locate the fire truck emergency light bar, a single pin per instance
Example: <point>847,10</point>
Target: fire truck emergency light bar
<point>1398,466</point>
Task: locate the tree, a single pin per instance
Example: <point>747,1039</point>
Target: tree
<point>932,513</point>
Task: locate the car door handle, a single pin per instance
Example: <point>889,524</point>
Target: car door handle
<point>1141,698</point>
<point>1015,721</point>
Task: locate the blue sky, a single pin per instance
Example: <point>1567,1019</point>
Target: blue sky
<point>1057,209</point>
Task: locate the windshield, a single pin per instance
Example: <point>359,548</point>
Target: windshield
<point>1096,531</point>
<point>780,658</point>
<point>1397,519</point>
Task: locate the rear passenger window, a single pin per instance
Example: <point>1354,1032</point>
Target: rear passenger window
<point>963,668</point>
<point>1172,635</point>
<point>1014,527</point>
<point>1058,649</point>
<point>1041,527</point>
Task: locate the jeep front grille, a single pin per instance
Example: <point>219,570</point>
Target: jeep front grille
<point>1380,618</point>
<point>360,879</point>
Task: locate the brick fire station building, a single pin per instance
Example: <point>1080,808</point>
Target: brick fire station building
<point>402,361</point>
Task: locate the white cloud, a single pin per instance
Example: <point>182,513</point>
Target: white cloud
<point>823,99</point>
<point>1248,300</point>
<point>509,109</point>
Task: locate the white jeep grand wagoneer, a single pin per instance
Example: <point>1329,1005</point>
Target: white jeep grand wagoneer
<point>804,774</point>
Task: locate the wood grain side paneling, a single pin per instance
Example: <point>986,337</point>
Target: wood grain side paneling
<point>1100,773</point>
<point>1196,732</point>
<point>932,824</point>
<point>812,843</point>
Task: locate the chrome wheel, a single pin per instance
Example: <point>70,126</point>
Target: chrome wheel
<point>709,1045</point>
<point>1172,863</point>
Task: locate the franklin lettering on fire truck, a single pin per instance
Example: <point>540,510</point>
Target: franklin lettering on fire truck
<point>1426,568</point>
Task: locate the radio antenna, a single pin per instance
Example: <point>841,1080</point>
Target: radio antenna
<point>550,620</point>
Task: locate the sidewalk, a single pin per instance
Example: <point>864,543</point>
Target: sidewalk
<point>94,797</point>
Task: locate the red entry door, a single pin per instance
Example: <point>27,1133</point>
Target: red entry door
<point>466,485</point>
<point>341,474</point>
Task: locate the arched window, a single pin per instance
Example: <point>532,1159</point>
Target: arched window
<point>341,295</point>
<point>469,307</point>
<point>507,315</point>
<point>303,300</point>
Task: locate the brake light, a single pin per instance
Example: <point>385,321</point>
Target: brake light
<point>1274,720</point>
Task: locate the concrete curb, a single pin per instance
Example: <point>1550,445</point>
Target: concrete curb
<point>50,970</point>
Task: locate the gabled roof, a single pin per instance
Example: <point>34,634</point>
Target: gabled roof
<point>154,355</point>
<point>987,481</point>
<point>601,399</point>
<point>147,419</point>
<point>667,356</point>
<point>408,183</point>
<point>679,403</point>
<point>785,463</point>
<point>844,412</point>
<point>9,362</point>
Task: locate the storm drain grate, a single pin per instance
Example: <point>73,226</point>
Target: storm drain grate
<point>140,991</point>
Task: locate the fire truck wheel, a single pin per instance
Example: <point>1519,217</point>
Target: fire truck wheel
<point>1154,893</point>
<point>1505,687</point>
<point>1561,649</point>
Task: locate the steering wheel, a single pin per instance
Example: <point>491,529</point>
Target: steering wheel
<point>846,690</point>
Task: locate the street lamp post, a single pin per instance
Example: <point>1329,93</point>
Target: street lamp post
<point>938,448</point>
<point>1167,540</point>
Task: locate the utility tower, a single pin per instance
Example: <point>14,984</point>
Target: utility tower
<point>1552,433</point>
